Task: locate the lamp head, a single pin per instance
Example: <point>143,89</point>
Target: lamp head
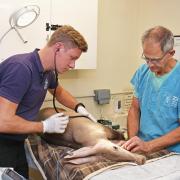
<point>24,16</point>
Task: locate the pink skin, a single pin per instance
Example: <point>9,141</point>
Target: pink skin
<point>95,140</point>
<point>66,58</point>
<point>104,149</point>
<point>135,144</point>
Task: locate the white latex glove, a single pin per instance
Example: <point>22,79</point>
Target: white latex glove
<point>56,123</point>
<point>83,111</point>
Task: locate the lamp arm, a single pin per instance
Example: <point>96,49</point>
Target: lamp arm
<point>24,41</point>
<point>3,36</point>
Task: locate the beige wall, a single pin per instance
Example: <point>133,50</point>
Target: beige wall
<point>117,47</point>
<point>158,12</point>
<point>120,26</point>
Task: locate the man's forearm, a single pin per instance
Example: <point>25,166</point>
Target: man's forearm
<point>163,142</point>
<point>17,125</point>
<point>65,98</point>
<point>133,125</point>
<point>12,123</point>
<point>133,118</point>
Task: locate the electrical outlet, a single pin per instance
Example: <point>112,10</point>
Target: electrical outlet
<point>117,106</point>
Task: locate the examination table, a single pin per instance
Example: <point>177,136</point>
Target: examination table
<point>48,160</point>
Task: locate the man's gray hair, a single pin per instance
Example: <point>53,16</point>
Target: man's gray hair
<point>162,35</point>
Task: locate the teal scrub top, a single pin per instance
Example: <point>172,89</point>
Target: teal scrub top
<point>159,101</point>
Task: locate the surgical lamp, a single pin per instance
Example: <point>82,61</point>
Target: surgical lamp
<point>21,19</point>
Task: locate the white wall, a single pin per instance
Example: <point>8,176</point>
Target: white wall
<point>120,27</point>
<point>35,34</point>
<point>116,59</point>
<point>158,12</point>
<point>116,42</point>
<point>81,14</point>
<point>117,49</point>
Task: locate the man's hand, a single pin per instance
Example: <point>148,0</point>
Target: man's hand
<point>135,144</point>
<point>56,123</point>
<point>83,111</point>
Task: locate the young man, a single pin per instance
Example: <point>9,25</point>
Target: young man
<point>24,81</point>
<point>154,116</point>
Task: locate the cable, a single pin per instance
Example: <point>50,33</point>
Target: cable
<point>54,94</point>
<point>56,77</point>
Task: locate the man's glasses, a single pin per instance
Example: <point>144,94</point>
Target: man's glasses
<point>153,60</point>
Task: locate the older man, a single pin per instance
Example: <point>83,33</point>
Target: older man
<point>154,116</point>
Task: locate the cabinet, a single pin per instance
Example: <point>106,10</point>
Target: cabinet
<point>81,14</point>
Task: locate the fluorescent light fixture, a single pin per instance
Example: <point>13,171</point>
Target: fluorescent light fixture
<point>21,19</point>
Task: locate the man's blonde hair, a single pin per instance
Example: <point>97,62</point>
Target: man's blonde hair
<point>70,37</point>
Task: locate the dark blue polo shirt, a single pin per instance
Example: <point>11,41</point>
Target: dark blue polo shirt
<point>24,82</point>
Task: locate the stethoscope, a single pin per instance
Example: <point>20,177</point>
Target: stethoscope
<point>54,93</point>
